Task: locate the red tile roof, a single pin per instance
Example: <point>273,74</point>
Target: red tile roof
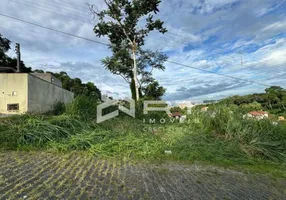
<point>258,113</point>
<point>176,114</point>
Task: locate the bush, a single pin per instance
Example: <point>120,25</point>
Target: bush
<point>83,106</point>
<point>58,109</point>
<point>245,108</point>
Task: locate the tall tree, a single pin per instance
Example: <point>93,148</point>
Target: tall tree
<point>120,23</point>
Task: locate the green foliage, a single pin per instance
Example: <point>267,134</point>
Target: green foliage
<point>73,123</point>
<point>77,87</point>
<point>83,106</point>
<point>152,115</point>
<point>120,23</point>
<point>178,109</point>
<point>274,100</point>
<point>154,91</point>
<point>245,108</point>
<point>58,109</point>
<point>4,47</point>
<point>126,15</point>
<point>36,131</point>
<point>256,138</point>
<point>220,136</point>
<point>4,44</point>
<point>274,89</point>
<point>6,61</point>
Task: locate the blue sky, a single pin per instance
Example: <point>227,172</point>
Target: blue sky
<point>240,38</point>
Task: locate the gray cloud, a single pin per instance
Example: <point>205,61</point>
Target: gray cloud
<point>187,93</point>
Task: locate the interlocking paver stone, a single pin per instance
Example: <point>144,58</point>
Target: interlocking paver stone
<point>43,175</point>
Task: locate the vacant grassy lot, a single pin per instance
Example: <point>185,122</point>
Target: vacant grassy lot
<point>123,157</point>
<point>42,175</point>
<point>221,141</point>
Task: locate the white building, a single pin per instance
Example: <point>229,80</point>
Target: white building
<point>31,93</point>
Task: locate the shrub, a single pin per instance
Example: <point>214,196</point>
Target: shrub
<point>83,106</point>
<point>59,108</point>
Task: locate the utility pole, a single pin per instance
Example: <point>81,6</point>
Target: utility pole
<point>18,52</point>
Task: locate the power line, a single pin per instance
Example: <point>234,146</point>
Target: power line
<point>225,75</point>
<point>109,45</point>
<point>51,6</point>
<point>5,32</point>
<point>70,5</point>
<point>10,54</point>
<point>77,8</point>
<point>38,7</point>
<point>165,37</point>
<point>52,29</point>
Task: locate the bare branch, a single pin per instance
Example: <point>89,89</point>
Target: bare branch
<point>151,70</point>
<point>124,78</point>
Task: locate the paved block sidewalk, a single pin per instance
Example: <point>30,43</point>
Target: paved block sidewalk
<point>40,175</point>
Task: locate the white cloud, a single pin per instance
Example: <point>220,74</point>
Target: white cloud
<point>277,57</point>
<point>235,26</point>
<point>276,26</point>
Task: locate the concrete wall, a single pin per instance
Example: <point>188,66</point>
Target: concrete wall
<point>48,77</point>
<point>43,95</point>
<point>13,90</point>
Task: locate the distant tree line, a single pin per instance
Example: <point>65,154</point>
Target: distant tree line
<point>273,100</point>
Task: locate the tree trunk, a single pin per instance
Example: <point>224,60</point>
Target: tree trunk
<point>132,88</point>
<point>135,72</point>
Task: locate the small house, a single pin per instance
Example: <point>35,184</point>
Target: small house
<point>259,115</point>
<point>204,109</point>
<point>177,115</point>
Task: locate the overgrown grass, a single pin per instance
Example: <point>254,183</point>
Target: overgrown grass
<point>255,138</point>
<point>36,131</point>
<point>220,136</point>
<point>83,107</point>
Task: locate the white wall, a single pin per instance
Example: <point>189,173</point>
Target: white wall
<point>13,90</point>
